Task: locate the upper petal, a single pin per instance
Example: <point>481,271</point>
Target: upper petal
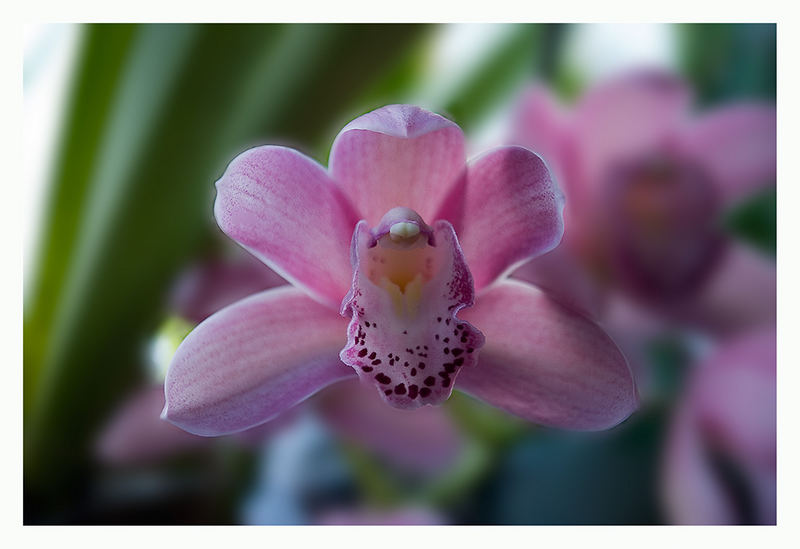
<point>545,363</point>
<point>510,210</point>
<point>283,207</point>
<point>253,360</point>
<point>737,146</point>
<point>398,155</point>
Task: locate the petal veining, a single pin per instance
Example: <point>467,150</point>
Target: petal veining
<point>404,336</point>
<point>397,154</point>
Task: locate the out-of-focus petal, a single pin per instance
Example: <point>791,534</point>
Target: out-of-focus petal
<point>424,440</point>
<point>510,210</point>
<point>253,360</point>
<point>212,284</point>
<point>398,155</point>
<point>542,126</point>
<point>137,434</point>
<point>720,462</point>
<point>560,274</point>
<point>404,337</point>
<point>283,207</point>
<point>625,117</point>
<point>407,516</point>
<point>545,363</point>
<point>690,492</point>
<point>737,145</point>
<point>740,295</point>
<point>736,395</point>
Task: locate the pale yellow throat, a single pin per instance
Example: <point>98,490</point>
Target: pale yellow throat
<point>401,264</point>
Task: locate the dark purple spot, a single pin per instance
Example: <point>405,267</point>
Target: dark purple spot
<point>383,378</point>
<point>387,392</point>
<point>421,365</point>
<point>463,339</point>
<point>405,364</point>
<point>438,319</point>
<point>413,370</point>
<point>470,349</point>
<point>444,375</point>
<point>400,389</point>
<point>363,352</point>
<point>424,392</point>
<point>446,382</point>
<point>376,362</point>
<point>373,355</point>
<point>447,321</point>
<point>367,324</point>
<point>449,367</point>
<point>367,368</point>
<point>412,391</point>
<point>436,337</point>
<point>446,351</point>
<point>457,352</point>
<point>430,380</point>
<point>446,340</point>
<point>459,361</point>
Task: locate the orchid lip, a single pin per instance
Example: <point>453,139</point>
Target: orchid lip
<point>409,282</point>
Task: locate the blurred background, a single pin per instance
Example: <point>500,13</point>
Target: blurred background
<point>669,245</point>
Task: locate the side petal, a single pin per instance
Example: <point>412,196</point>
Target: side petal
<point>511,210</point>
<point>398,155</point>
<point>545,363</point>
<point>283,207</point>
<point>737,146</point>
<point>252,360</point>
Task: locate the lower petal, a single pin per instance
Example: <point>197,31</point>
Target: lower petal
<point>253,360</point>
<point>547,364</point>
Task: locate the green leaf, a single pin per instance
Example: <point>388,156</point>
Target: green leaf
<point>755,220</point>
<point>186,100</point>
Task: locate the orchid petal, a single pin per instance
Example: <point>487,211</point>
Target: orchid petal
<point>210,285</point>
<point>737,146</point>
<point>253,360</point>
<point>626,117</point>
<point>541,125</point>
<point>283,207</point>
<point>404,336</point>
<point>424,440</point>
<point>728,416</point>
<point>398,155</point>
<point>740,295</point>
<point>511,211</point>
<point>546,363</point>
<point>560,274</point>
<point>135,433</point>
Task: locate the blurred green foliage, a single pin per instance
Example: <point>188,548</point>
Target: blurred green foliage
<point>755,221</point>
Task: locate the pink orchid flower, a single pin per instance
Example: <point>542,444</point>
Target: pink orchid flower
<point>401,281</point>
<point>719,466</point>
<point>646,183</point>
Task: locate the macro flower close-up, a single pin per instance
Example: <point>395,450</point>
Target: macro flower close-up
<point>356,236</point>
<point>401,275</point>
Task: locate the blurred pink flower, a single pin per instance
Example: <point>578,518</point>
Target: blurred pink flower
<point>719,465</point>
<point>403,516</point>
<point>646,184</point>
<point>403,281</point>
